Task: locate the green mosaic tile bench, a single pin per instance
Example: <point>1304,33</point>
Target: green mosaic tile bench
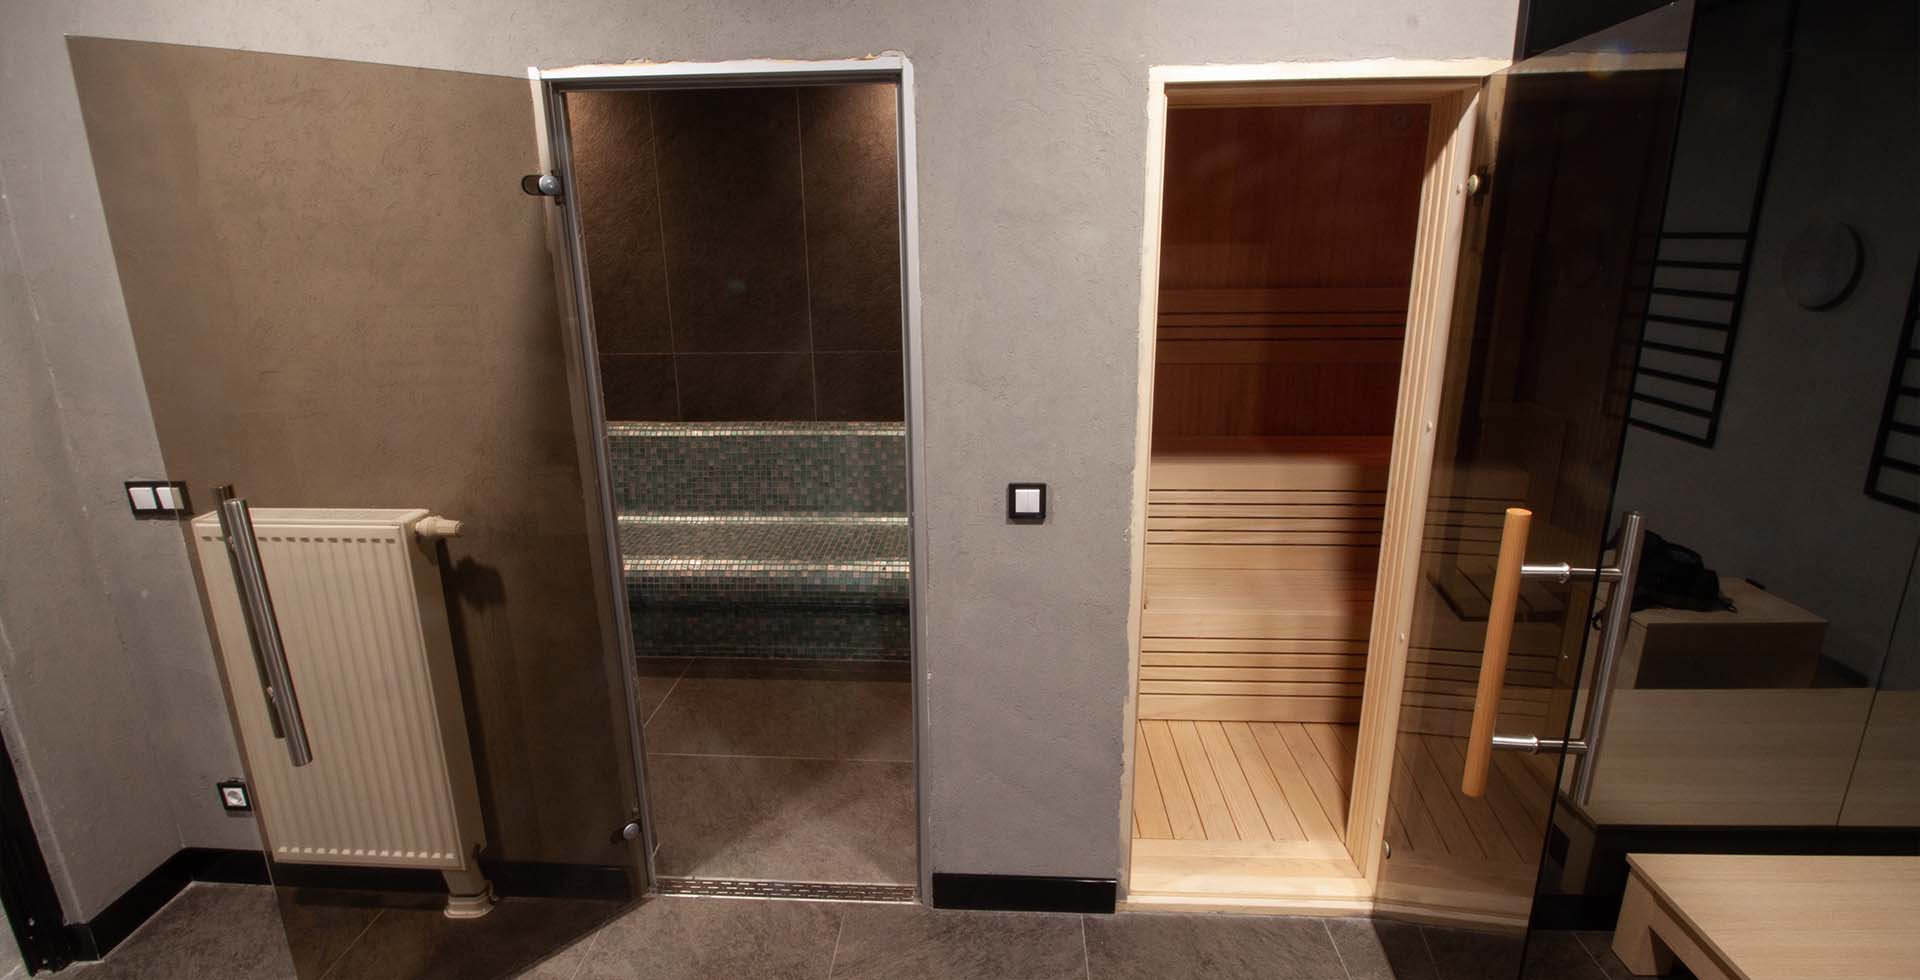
<point>764,539</point>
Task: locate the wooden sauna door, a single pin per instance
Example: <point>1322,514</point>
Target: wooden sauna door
<point>1574,156</point>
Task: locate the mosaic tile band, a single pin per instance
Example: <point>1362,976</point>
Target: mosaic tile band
<point>766,539</point>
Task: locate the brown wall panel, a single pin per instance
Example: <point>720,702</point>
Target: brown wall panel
<point>341,299</point>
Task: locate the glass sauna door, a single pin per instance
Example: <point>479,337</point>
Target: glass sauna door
<point>1575,145</point>
<point>344,308</point>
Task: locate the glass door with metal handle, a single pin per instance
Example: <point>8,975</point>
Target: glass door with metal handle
<point>1511,571</point>
<point>1489,651</point>
<point>263,627</point>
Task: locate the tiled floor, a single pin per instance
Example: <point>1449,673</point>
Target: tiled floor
<point>234,932</point>
<point>781,770</point>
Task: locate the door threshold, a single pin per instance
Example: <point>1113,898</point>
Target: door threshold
<point>1278,877</point>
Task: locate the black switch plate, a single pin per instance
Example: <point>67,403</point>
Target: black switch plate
<point>235,797</point>
<point>183,508</point>
<point>1039,518</point>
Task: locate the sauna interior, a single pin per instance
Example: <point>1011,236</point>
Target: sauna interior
<point>1286,256</point>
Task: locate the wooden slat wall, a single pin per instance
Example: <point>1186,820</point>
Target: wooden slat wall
<point>1286,257</point>
<point>1263,362</point>
<point>1260,567</point>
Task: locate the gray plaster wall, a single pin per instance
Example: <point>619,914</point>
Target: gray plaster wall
<point>1032,150</point>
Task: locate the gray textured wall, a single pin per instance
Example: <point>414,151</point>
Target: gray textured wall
<point>1032,129</point>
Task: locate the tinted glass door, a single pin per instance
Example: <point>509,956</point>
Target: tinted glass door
<point>342,300</point>
<point>1551,295</point>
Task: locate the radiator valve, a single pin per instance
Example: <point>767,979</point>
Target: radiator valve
<point>436,527</point>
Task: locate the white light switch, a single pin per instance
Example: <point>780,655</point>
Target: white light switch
<point>143,498</point>
<point>167,497</point>
<point>1027,503</point>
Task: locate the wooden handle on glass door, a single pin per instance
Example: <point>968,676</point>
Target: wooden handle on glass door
<point>1493,659</point>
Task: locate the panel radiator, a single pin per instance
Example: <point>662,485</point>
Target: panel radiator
<point>366,677</point>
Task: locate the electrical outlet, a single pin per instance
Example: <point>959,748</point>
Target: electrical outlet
<point>234,796</point>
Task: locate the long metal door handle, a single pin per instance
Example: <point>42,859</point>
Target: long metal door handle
<point>1486,704</point>
<point>1493,658</point>
<point>263,628</point>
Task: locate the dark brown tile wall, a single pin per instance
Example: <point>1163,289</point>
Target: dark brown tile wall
<point>848,142</point>
<point>620,192</point>
<point>743,251</point>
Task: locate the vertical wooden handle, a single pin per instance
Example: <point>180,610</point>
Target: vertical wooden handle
<point>1493,658</point>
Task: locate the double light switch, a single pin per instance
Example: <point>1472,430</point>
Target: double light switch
<point>158,498</point>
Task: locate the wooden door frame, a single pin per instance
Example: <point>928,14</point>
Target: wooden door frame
<point>548,88</point>
<point>1451,90</point>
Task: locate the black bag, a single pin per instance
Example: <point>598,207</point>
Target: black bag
<point>1672,576</point>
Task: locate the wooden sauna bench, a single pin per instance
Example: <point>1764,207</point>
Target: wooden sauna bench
<point>1771,917</point>
<point>1260,562</point>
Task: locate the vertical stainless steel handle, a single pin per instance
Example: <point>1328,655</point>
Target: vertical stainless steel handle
<point>1626,558</point>
<point>263,628</point>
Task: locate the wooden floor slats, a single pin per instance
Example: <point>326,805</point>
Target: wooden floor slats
<point>1427,814</point>
<point>1243,814</point>
<point>1241,781</point>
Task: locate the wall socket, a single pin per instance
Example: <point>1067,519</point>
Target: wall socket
<point>234,795</point>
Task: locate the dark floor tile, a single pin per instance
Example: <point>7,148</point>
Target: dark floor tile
<point>1554,954</point>
<point>746,387</point>
<point>807,718</point>
<point>567,962</point>
<point>618,198</point>
<point>735,236</point>
<point>657,676</point>
<point>849,143</point>
<point>1468,954</point>
<point>792,819</point>
<point>639,388</point>
<point>1151,946</point>
<point>913,942</point>
<point>1381,949</point>
<point>423,942</point>
<point>698,938</point>
<point>1599,945</point>
<point>319,930</point>
<point>209,932</point>
<point>861,387</point>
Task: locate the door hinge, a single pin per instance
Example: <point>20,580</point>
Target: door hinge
<point>543,185</point>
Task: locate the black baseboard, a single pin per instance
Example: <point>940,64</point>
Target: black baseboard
<point>98,936</point>
<point>95,938</point>
<point>1023,893</point>
<point>511,879</point>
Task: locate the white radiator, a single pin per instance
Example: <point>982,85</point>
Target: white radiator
<point>363,625</point>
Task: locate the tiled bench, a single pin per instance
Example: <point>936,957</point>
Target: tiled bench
<point>764,539</point>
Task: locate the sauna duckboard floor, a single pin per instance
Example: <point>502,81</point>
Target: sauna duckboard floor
<point>1243,813</point>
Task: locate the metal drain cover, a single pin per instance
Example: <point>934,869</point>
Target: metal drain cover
<point>810,891</point>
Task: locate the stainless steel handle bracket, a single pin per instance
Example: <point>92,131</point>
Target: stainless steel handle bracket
<point>1623,571</point>
<point>263,628</point>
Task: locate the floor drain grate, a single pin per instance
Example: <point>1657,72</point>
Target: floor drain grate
<point>812,891</point>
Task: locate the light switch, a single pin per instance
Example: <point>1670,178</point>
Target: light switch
<point>1027,503</point>
<point>157,499</point>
